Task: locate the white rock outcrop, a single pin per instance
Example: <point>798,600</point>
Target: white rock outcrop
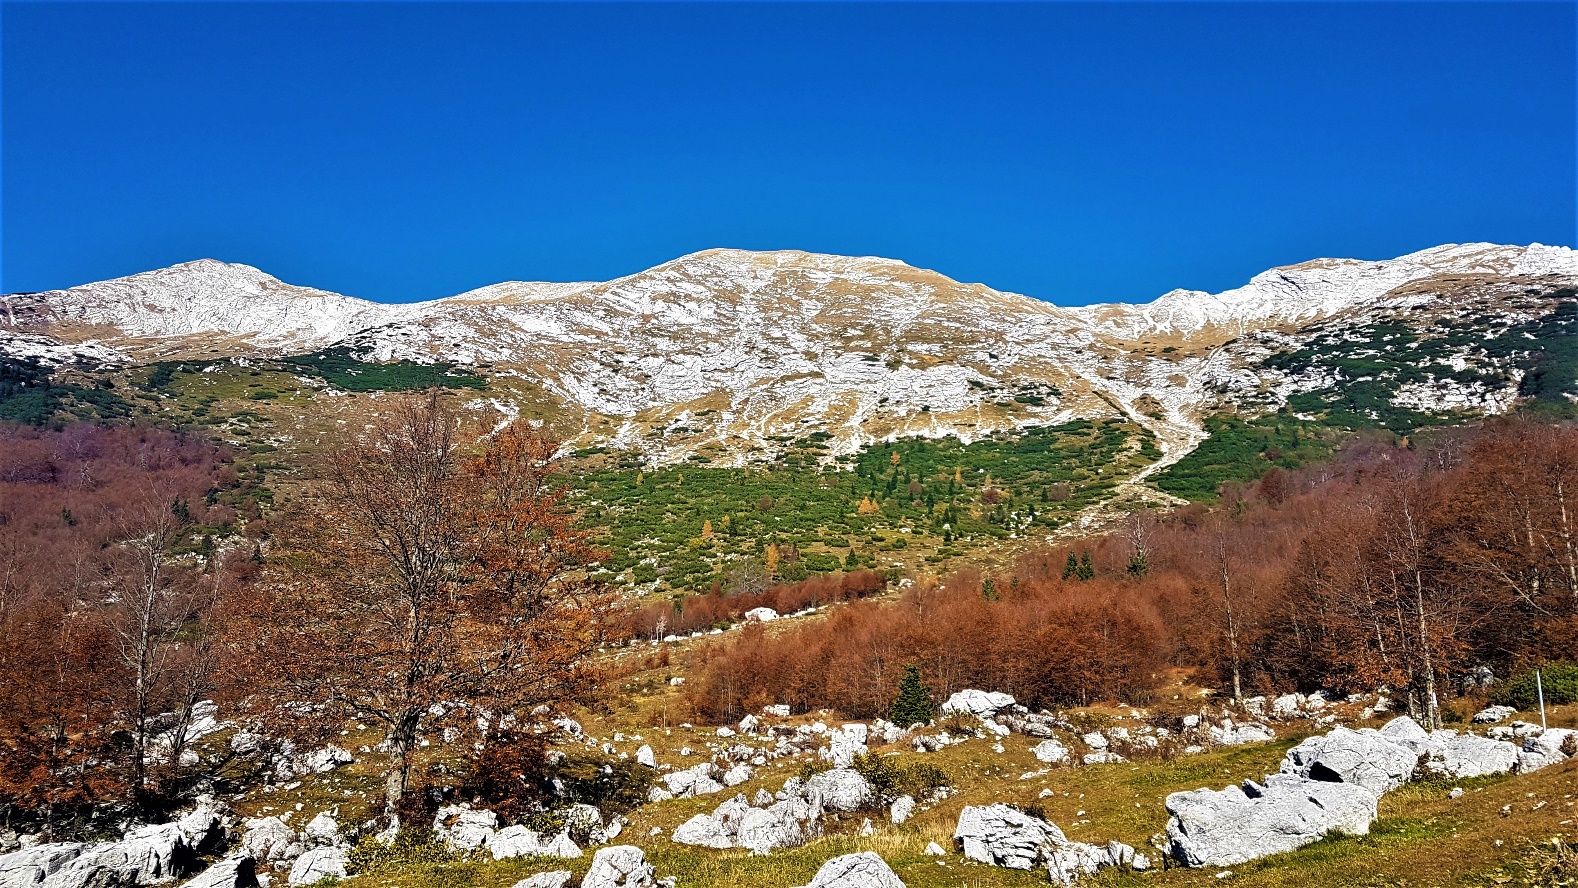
<point>236,871</point>
<point>319,863</point>
<point>620,866</point>
<point>866,869</point>
<point>982,704</point>
<point>841,789</point>
<point>1004,836</point>
<point>1237,824</point>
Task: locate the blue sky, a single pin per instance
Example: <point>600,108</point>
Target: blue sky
<point>1073,152</point>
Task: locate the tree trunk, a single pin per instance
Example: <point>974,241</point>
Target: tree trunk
<point>1232,626</point>
<point>402,738</point>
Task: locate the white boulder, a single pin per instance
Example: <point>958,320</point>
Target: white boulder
<point>1237,824</point>
<point>761,615</point>
<point>863,870</point>
<point>1492,714</point>
<point>620,866</point>
<point>982,704</point>
<point>319,863</point>
<point>237,871</point>
<point>1050,752</point>
<point>841,789</point>
<point>550,879</point>
<point>1362,758</point>
<point>463,828</point>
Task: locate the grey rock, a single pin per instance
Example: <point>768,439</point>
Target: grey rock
<point>319,863</point>
<point>1004,836</point>
<point>515,841</point>
<point>1548,747</point>
<point>1050,752</point>
<point>1493,714</point>
<point>269,839</point>
<point>237,871</point>
<point>1237,824</point>
<point>841,789</point>
<point>901,810</point>
<point>982,704</point>
<point>463,828</point>
<point>863,870</point>
<point>1361,758</point>
<point>550,879</point>
<point>620,866</point>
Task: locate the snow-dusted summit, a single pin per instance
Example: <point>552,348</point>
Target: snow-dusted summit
<point>730,349</point>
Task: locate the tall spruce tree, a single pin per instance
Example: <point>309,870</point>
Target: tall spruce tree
<point>913,704</point>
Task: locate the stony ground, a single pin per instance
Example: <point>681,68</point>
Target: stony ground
<point>1499,832</point>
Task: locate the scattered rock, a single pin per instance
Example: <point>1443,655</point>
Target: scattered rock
<point>934,850</point>
<point>863,870</point>
<point>1493,714</point>
<point>644,756</point>
<point>761,615</point>
<point>620,866</point>
<point>239,871</point>
<point>982,704</point>
<point>901,809</point>
<point>1050,751</point>
<point>841,789</point>
<point>319,863</point>
<point>463,828</point>
<point>550,879</point>
<point>1237,824</point>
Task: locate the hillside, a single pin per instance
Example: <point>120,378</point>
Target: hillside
<point>774,384</point>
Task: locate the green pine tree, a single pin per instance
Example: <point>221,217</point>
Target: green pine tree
<point>1139,565</point>
<point>1071,567</point>
<point>1087,571</point>
<point>989,590</point>
<point>913,704</point>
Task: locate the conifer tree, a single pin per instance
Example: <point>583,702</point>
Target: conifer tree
<point>1071,567</point>
<point>1087,571</point>
<point>913,704</point>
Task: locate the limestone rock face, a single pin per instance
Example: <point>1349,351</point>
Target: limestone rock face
<point>463,828</point>
<point>863,870</point>
<point>1050,751</point>
<point>1361,758</point>
<point>1237,824</point>
<point>269,839</point>
<point>620,866</point>
<point>319,863</point>
<point>841,789</point>
<point>1548,747</point>
<point>1003,836</point>
<point>982,704</point>
<point>237,871</point>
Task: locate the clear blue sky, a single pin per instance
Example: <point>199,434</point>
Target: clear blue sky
<point>1073,152</point>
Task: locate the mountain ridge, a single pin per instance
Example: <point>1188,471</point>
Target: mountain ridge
<point>723,354</point>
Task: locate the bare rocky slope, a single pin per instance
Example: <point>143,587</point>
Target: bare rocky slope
<point>729,353</point>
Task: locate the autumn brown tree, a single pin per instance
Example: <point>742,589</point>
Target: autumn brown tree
<point>433,581</point>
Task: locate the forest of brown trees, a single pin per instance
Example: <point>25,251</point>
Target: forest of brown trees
<point>420,578</point>
<point>427,576</point>
<point>1412,567</point>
